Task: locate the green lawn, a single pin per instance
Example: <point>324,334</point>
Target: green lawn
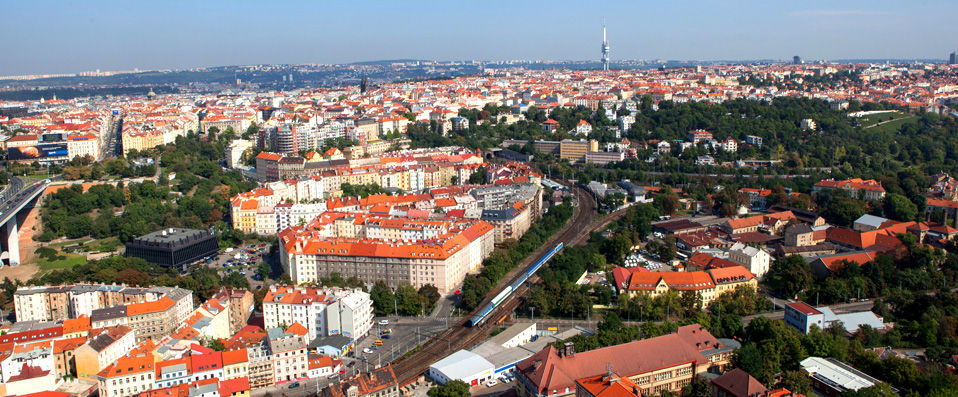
<point>62,261</point>
<point>108,244</point>
<point>893,126</point>
<point>41,176</point>
<point>869,121</point>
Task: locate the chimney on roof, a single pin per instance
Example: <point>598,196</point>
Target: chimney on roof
<point>569,349</point>
<point>612,378</point>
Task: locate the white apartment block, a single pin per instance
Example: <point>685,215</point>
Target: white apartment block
<point>323,311</point>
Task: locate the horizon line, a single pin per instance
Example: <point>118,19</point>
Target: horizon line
<point>406,60</point>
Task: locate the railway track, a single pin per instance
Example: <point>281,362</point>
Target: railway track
<point>460,335</point>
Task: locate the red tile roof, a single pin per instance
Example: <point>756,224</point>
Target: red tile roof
<point>856,183</point>
<point>739,383</point>
<point>158,305</point>
<point>603,386</point>
<point>231,357</point>
<point>803,308</point>
<point>235,385</point>
<point>547,370</point>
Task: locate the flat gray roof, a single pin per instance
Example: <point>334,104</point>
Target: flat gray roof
<point>511,332</point>
<point>462,365</point>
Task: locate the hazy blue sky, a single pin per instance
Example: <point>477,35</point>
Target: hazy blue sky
<point>73,36</point>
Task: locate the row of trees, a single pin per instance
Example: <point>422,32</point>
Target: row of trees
<point>405,300</point>
<point>203,281</point>
<point>504,259</point>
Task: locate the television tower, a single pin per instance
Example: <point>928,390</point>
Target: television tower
<point>605,49</point>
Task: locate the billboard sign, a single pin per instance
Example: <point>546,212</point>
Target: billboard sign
<point>37,152</point>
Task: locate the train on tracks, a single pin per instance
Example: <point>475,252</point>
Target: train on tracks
<point>482,315</point>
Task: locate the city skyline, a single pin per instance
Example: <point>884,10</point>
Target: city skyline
<point>73,38</point>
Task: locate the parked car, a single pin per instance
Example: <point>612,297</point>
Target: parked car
<point>384,322</point>
<point>294,385</point>
<point>491,383</point>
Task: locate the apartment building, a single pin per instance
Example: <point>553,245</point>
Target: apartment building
<point>443,261</point>
<point>234,152</point>
<point>103,349</point>
<point>289,355</point>
<point>149,320</point>
<point>128,376</point>
<point>510,223</point>
<point>64,302</point>
<point>26,359</point>
<point>64,355</point>
<point>240,303</point>
<point>235,364</point>
<point>153,320</point>
<point>323,311</point>
<point>140,140</point>
<point>82,145</point>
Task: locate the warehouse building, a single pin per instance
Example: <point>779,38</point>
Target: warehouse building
<point>462,365</point>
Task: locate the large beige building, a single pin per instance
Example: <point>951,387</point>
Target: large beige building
<point>81,145</point>
<point>575,151</point>
<point>141,140</point>
<point>318,250</point>
<point>665,363</point>
<point>709,284</point>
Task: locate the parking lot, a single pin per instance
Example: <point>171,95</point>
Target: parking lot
<point>244,259</point>
<point>647,260</point>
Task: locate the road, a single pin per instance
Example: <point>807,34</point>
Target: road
<point>15,185</point>
<point>110,142</point>
<point>12,199</point>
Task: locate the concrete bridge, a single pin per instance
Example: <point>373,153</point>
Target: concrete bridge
<point>15,202</point>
